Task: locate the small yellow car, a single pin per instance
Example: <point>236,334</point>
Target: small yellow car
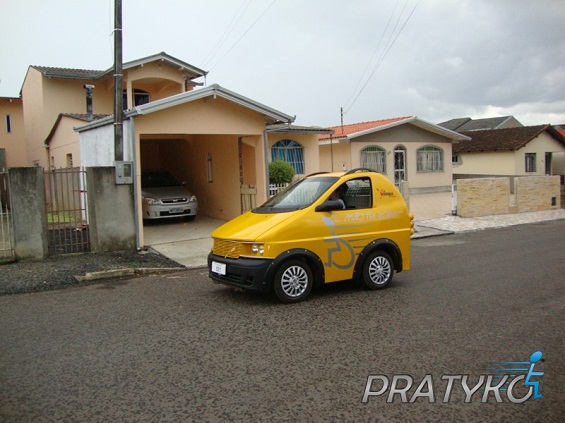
<point>327,227</point>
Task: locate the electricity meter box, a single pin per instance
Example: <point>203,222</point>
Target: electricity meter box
<point>124,172</point>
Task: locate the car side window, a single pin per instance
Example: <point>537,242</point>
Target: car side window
<point>358,194</point>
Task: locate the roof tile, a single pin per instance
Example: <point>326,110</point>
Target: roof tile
<point>508,139</point>
<point>353,128</point>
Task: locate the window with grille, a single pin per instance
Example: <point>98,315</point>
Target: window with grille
<point>291,152</point>
<point>374,158</point>
<point>530,162</point>
<point>429,159</point>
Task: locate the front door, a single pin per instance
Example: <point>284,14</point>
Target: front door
<point>399,165</point>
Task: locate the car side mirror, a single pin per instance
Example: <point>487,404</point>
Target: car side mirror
<point>329,205</point>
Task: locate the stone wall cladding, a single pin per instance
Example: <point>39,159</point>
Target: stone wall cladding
<point>483,196</point>
<point>537,193</point>
<point>491,196</point>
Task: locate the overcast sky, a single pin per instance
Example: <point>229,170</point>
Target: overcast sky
<point>435,59</point>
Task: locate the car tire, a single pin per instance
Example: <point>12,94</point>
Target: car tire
<point>378,270</point>
<point>293,281</point>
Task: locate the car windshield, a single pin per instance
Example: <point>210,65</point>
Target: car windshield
<point>158,179</point>
<point>297,196</point>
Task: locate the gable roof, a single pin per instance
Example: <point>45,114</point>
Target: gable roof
<point>468,124</point>
<point>54,72</point>
<point>51,72</point>
<point>78,116</point>
<point>507,139</point>
<point>355,130</point>
<point>273,116</point>
<point>192,71</point>
<point>344,131</point>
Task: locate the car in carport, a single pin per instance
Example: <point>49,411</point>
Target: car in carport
<point>163,196</point>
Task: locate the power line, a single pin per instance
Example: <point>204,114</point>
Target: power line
<point>244,34</point>
<point>229,29</point>
<point>390,43</point>
<point>373,55</point>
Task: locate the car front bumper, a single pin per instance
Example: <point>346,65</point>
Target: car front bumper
<point>160,211</point>
<point>245,273</point>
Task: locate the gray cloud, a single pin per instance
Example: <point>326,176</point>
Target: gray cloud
<point>307,57</point>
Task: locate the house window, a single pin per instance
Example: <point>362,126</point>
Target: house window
<point>8,124</point>
<point>530,162</point>
<point>456,159</point>
<point>69,160</point>
<point>374,158</point>
<point>429,159</point>
<point>139,97</point>
<point>291,152</point>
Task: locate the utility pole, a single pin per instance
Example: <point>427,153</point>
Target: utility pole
<point>341,113</point>
<point>118,84</point>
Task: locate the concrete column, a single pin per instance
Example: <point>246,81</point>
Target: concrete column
<point>110,211</point>
<point>29,212</point>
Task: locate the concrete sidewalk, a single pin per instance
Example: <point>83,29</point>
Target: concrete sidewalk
<point>456,224</point>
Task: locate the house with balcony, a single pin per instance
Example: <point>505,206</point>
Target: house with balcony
<point>216,140</point>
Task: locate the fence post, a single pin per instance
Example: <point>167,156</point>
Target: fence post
<point>28,209</point>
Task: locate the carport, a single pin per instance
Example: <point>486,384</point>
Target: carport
<point>215,140</point>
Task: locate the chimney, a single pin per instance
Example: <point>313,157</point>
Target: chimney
<point>89,89</point>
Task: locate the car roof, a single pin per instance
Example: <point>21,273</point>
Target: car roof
<point>355,171</point>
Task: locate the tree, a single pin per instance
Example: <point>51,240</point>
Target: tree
<point>280,172</point>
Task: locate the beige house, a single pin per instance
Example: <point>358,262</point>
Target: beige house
<point>53,99</point>
<point>519,151</point>
<point>404,149</point>
<point>216,140</point>
<point>12,146</point>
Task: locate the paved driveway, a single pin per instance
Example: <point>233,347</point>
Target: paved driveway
<point>179,348</point>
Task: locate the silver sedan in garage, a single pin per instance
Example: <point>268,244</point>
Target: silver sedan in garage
<point>163,196</point>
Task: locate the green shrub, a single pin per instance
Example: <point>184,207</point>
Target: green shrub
<point>280,172</point>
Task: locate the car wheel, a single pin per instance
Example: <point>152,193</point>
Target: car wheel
<point>378,270</point>
<point>293,281</point>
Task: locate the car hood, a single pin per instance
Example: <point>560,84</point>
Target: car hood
<point>166,192</point>
<point>250,226</point>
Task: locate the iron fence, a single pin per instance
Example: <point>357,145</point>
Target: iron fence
<point>67,213</point>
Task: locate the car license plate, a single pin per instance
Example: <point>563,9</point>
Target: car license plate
<point>176,210</point>
<point>219,268</point>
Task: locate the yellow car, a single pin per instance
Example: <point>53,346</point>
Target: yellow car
<point>328,227</point>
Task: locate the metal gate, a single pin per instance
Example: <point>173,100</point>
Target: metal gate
<point>67,214</point>
<point>6,224</point>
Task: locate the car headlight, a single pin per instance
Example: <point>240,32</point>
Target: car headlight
<point>149,200</point>
<point>192,198</point>
<point>258,248</point>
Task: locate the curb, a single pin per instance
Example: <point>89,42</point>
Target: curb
<point>118,273</point>
<point>427,232</point>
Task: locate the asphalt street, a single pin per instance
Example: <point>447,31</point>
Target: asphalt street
<point>178,348</point>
